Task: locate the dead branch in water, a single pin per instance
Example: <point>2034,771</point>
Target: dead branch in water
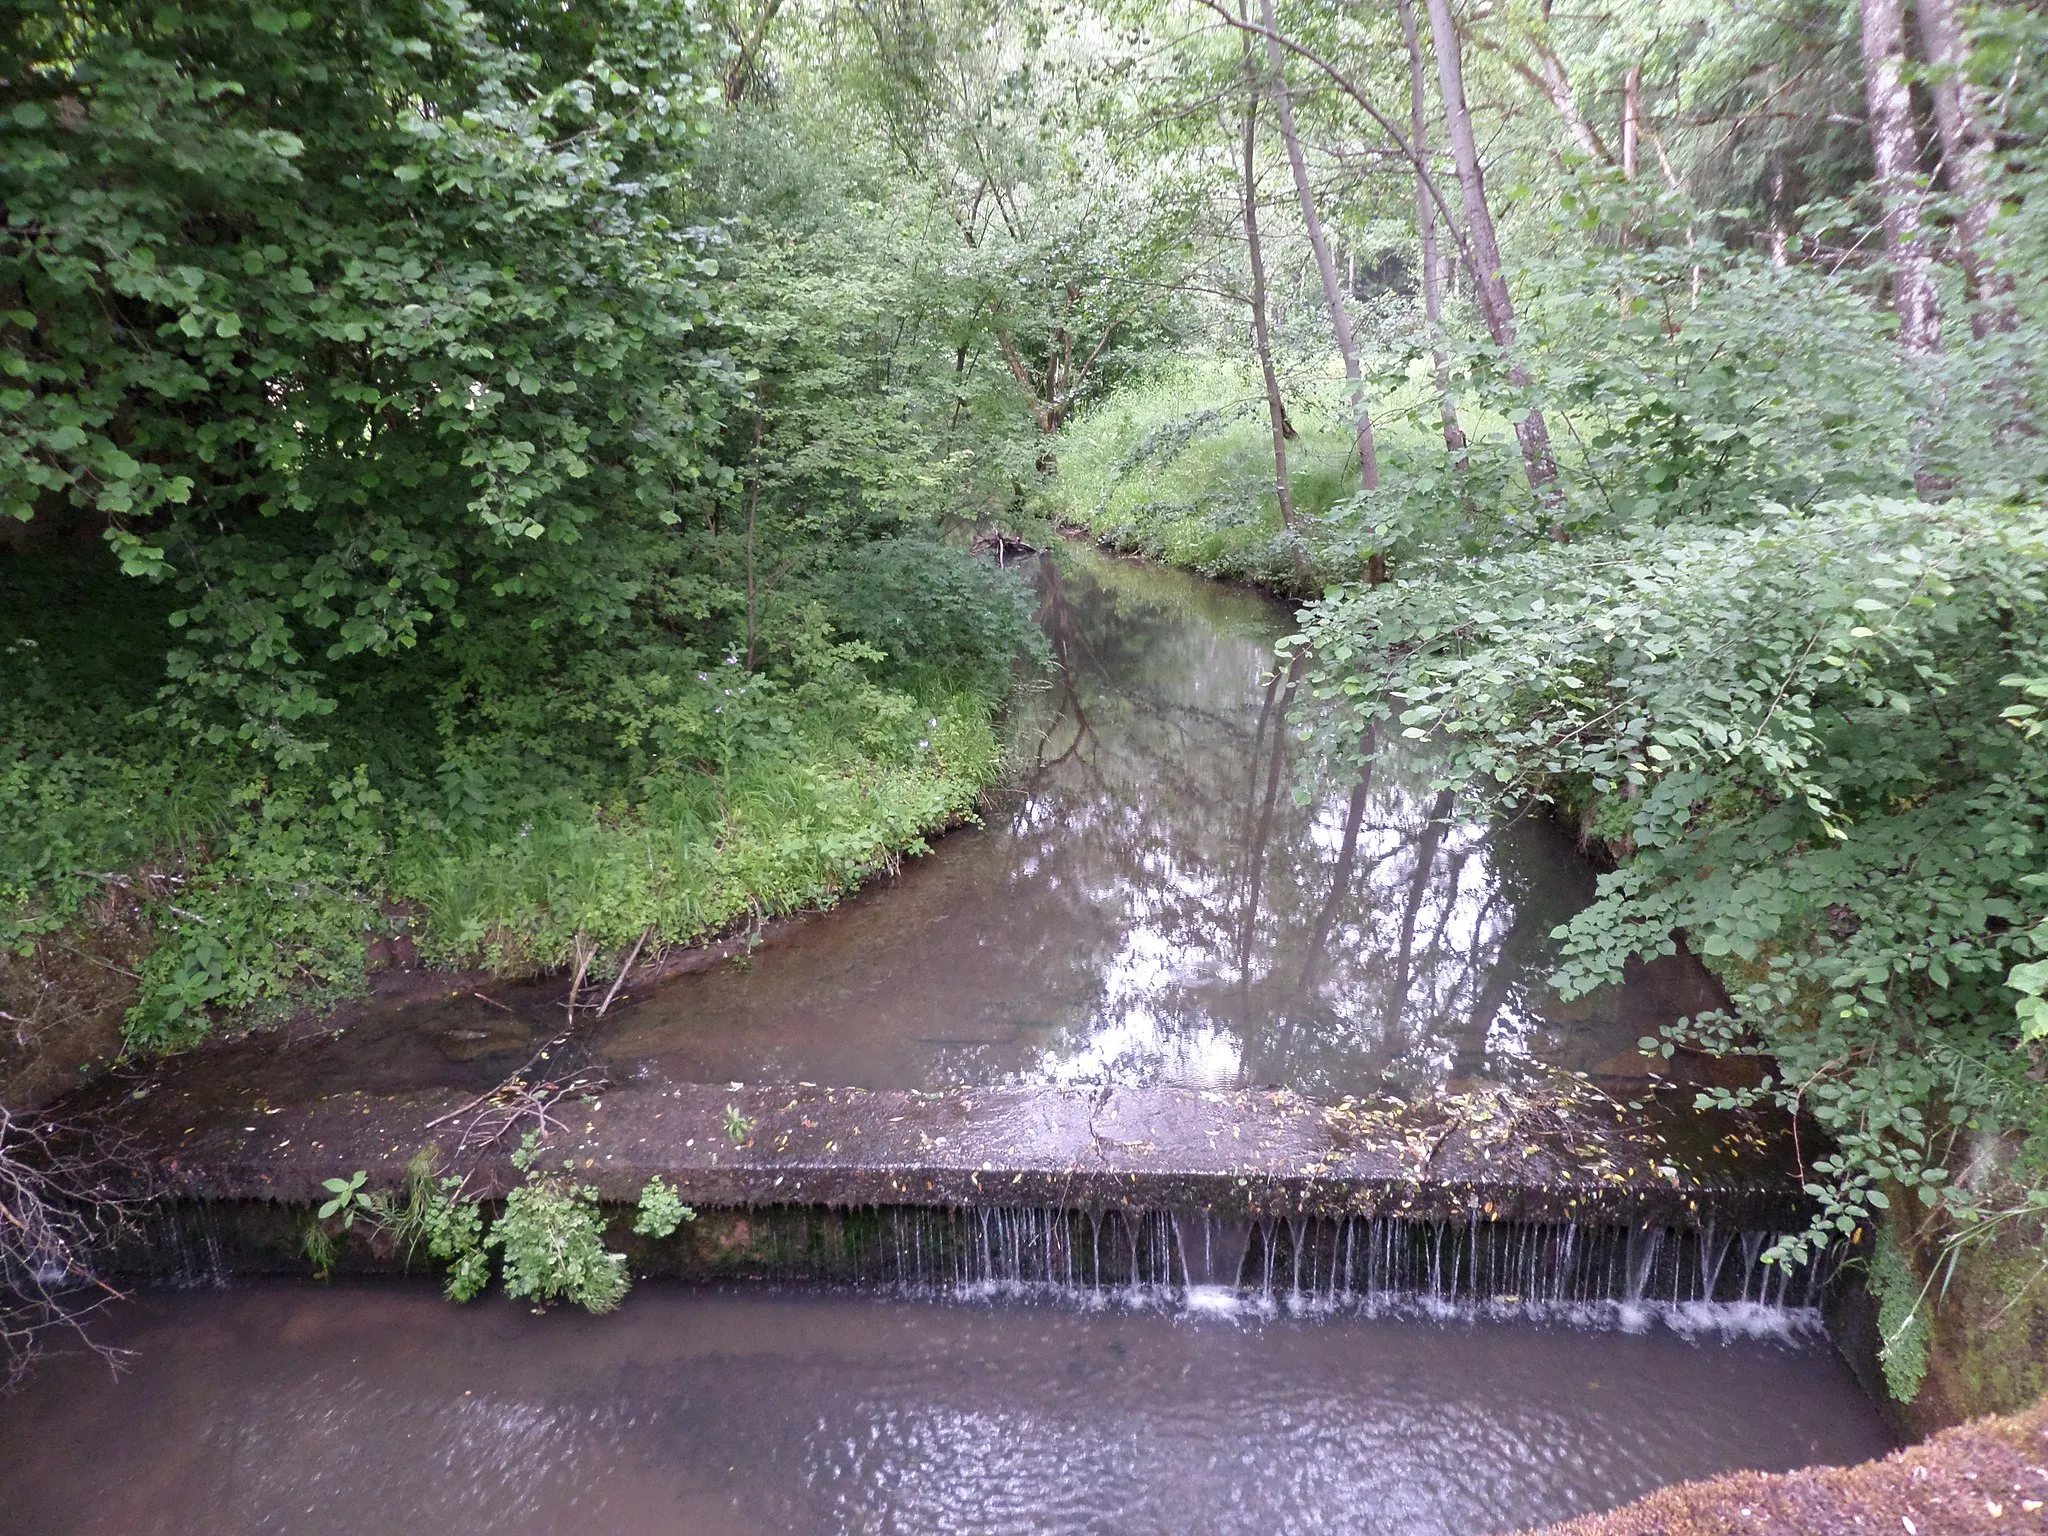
<point>68,1192</point>
<point>625,966</point>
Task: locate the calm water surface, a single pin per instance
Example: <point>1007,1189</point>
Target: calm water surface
<point>1153,903</point>
<point>387,1410</point>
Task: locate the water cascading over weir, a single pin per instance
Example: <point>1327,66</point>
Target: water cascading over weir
<point>1559,1199</point>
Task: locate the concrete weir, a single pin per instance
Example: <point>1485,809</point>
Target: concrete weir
<point>1559,1156</point>
<point>1569,1196</point>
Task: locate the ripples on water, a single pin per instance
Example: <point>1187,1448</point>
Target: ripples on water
<point>383,1409</point>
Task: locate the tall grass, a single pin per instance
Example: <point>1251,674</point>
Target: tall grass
<point>773,834</point>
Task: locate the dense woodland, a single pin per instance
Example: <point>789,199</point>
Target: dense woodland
<point>502,473</point>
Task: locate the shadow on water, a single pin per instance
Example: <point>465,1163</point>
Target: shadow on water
<point>289,1408</point>
<point>1153,902</point>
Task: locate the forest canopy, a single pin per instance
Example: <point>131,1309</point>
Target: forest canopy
<point>454,464</point>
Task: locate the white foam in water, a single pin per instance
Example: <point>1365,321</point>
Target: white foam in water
<point>1692,1320</point>
<point>1693,1282</point>
<point>1219,1300</point>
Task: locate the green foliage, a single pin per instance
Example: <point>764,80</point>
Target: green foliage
<point>348,1199</point>
<point>1802,722</point>
<point>737,1126</point>
<point>320,1249</point>
<point>1902,1323</point>
<point>661,1210</point>
<point>551,1235</point>
<point>517,492</point>
<point>453,1229</point>
<point>431,1212</point>
<point>1708,383</point>
<point>1179,467</point>
<point>430,283</point>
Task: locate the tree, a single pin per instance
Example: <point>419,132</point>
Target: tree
<point>1425,225</point>
<point>346,327</point>
<point>1326,267</point>
<point>1966,157</point>
<point>1893,149</point>
<point>1262,342</point>
<point>1495,305</point>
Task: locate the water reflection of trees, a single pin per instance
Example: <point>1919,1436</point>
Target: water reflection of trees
<point>1224,927</point>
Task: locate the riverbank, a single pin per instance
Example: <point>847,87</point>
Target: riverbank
<point>1457,1145</point>
<point>1985,1477</point>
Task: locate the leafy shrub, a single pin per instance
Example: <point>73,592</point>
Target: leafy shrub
<point>661,1209</point>
<point>552,1238</point>
<point>551,1235</point>
<point>1796,731</point>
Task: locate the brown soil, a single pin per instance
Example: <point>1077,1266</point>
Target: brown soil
<point>1989,1475</point>
<point>61,1006</point>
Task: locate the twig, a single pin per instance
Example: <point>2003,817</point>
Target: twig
<point>583,959</point>
<point>625,966</point>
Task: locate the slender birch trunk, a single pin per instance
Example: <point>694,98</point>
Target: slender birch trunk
<point>1890,111</point>
<point>1262,339</point>
<point>1966,156</point>
<point>1631,120</point>
<point>1781,236</point>
<point>1494,303</point>
<point>1425,224</point>
<point>1557,85</point>
<point>1333,294</point>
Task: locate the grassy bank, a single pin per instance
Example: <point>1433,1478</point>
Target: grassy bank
<point>185,886</point>
<point>1178,467</point>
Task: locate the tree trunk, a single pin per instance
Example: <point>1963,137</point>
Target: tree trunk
<point>1631,120</point>
<point>1557,85</point>
<point>1333,294</point>
<point>1890,111</point>
<point>1966,153</point>
<point>748,52</point>
<point>1276,408</point>
<point>1425,224</point>
<point>1494,304</point>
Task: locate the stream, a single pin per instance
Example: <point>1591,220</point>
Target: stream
<point>1151,900</point>
<point>381,1408</point>
<point>1163,896</point>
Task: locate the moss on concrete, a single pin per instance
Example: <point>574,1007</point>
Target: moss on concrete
<point>1988,1350</point>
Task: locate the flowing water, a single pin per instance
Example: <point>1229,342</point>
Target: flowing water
<point>1165,894</point>
<point>384,1409</point>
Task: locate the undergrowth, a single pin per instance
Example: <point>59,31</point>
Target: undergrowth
<point>680,799</point>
